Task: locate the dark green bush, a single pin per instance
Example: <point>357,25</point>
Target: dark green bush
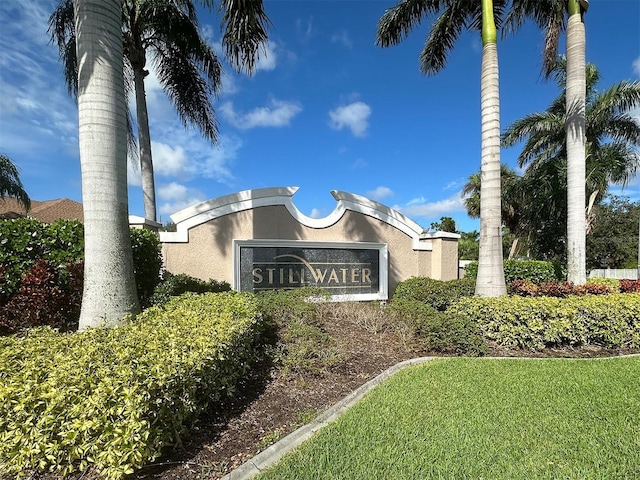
<point>174,285</point>
<point>24,241</point>
<point>49,294</point>
<point>530,270</point>
<point>436,331</point>
<point>115,398</point>
<point>436,293</point>
<point>147,263</point>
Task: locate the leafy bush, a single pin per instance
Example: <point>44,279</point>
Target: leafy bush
<point>147,263</point>
<point>49,295</point>
<point>630,286</point>
<point>612,283</point>
<point>611,321</point>
<point>175,285</point>
<point>556,289</point>
<point>437,331</point>
<point>24,241</point>
<point>302,346</point>
<point>436,293</point>
<point>115,398</point>
<point>531,270</point>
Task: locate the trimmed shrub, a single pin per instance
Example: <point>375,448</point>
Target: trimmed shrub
<point>612,283</point>
<point>49,295</point>
<point>114,398</point>
<point>436,331</point>
<point>611,321</point>
<point>435,293</point>
<point>556,289</point>
<point>24,241</point>
<point>531,270</point>
<point>175,285</point>
<point>630,286</point>
<point>147,263</point>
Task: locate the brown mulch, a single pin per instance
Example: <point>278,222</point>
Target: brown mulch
<point>269,409</point>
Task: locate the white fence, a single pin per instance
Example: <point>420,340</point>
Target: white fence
<point>630,273</point>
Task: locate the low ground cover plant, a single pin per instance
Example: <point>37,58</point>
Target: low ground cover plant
<point>483,418</point>
<point>301,343</point>
<point>115,398</point>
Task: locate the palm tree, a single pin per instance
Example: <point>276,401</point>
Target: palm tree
<point>452,17</point>
<point>612,137</point>
<point>549,15</point>
<point>512,201</point>
<point>10,184</point>
<point>109,285</point>
<point>188,69</point>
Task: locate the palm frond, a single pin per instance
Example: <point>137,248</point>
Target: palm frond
<point>10,183</point>
<point>441,39</point>
<point>399,20</point>
<point>245,26</point>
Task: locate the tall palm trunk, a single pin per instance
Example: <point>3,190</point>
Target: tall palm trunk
<point>490,281</point>
<point>144,140</point>
<point>575,130</point>
<point>109,286</point>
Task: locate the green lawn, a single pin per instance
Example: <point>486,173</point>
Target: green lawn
<point>485,419</point>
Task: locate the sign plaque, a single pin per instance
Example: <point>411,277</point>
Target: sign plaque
<point>348,271</point>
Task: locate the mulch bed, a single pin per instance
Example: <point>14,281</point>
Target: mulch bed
<point>273,407</point>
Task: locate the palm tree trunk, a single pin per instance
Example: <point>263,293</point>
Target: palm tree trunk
<point>575,130</point>
<point>490,281</point>
<point>144,139</point>
<point>109,286</point>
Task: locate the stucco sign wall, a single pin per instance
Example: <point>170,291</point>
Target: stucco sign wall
<point>258,240</point>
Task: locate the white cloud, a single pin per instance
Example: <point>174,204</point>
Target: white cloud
<point>175,197</point>
<point>168,160</point>
<point>267,59</point>
<point>359,163</point>
<point>432,210</point>
<point>342,38</point>
<point>636,66</point>
<point>316,213</point>
<point>354,116</point>
<point>380,193</point>
<point>278,114</point>
<point>456,184</point>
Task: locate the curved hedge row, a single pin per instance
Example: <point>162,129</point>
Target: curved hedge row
<point>114,398</point>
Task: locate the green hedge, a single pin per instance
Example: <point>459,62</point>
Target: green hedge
<point>530,270</point>
<point>611,321</point>
<point>24,241</point>
<point>436,293</point>
<point>175,285</point>
<point>115,398</point>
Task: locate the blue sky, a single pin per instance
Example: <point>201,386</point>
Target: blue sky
<point>326,110</point>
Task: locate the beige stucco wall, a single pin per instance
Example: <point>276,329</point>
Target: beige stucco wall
<point>209,252</point>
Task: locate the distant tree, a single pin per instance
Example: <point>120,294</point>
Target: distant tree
<point>469,245</point>
<point>613,138</point>
<point>10,184</point>
<point>613,241</point>
<point>446,224</point>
